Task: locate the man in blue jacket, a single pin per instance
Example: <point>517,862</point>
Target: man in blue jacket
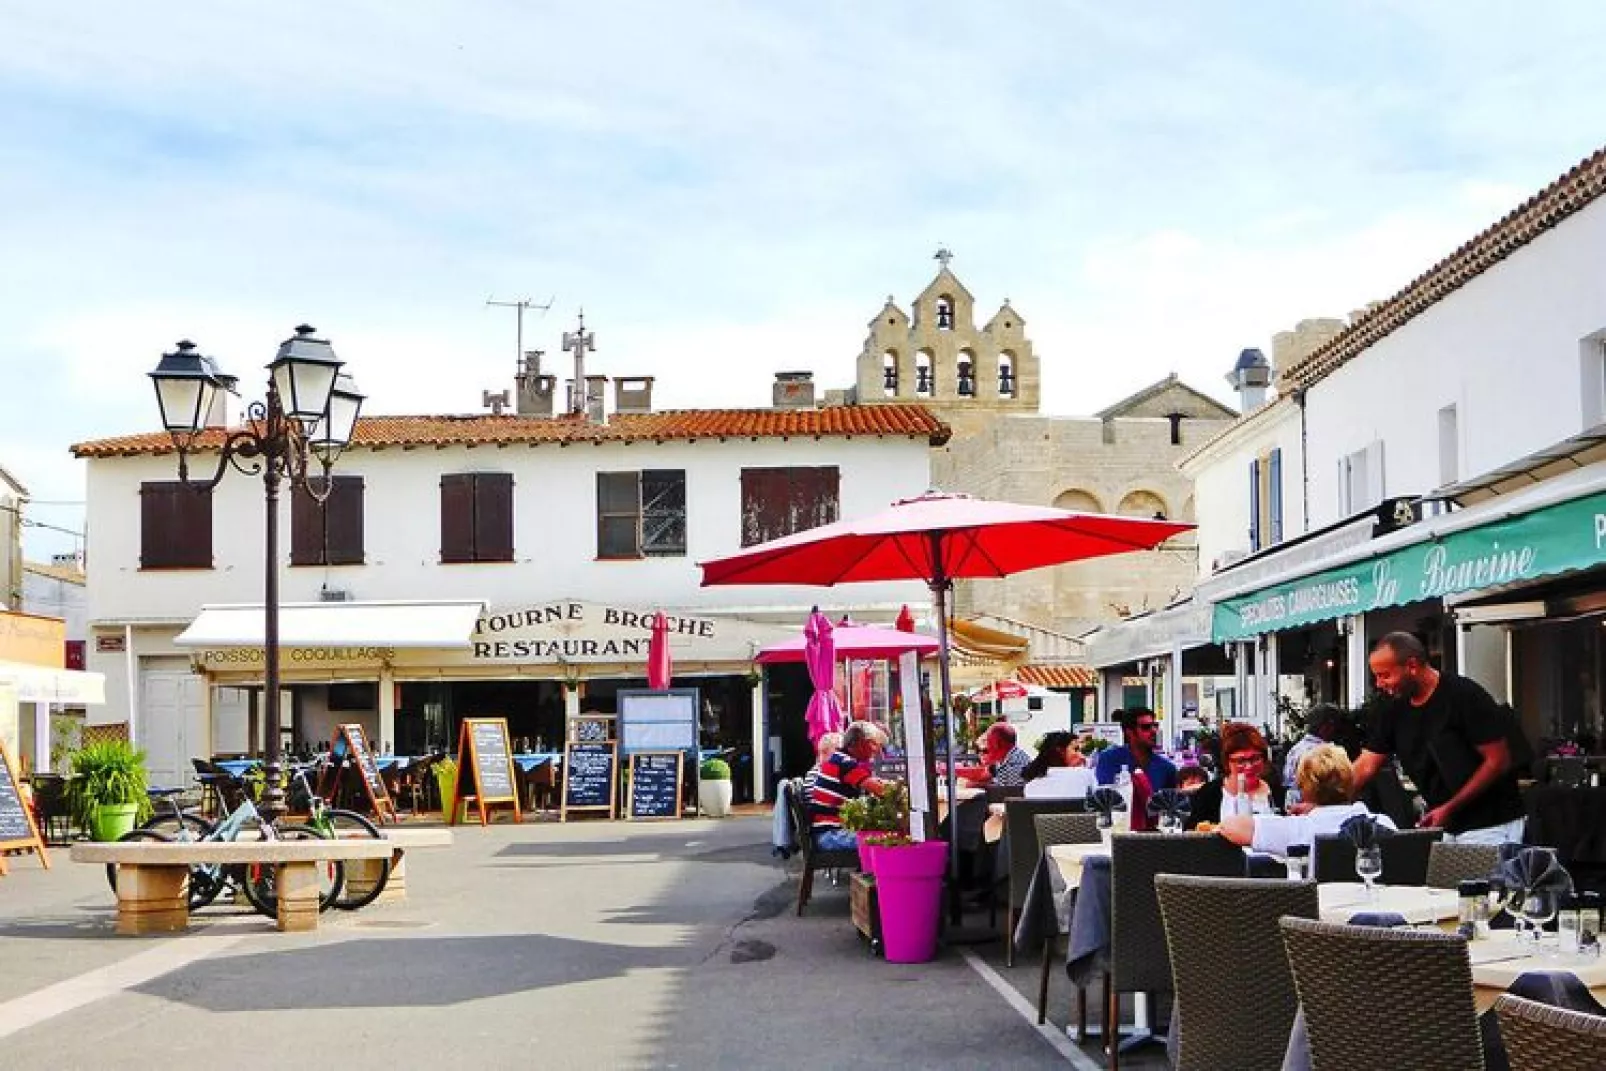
<point>1139,728</point>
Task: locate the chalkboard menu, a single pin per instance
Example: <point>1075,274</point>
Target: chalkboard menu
<point>16,820</point>
<point>591,728</point>
<point>350,739</point>
<point>655,784</point>
<point>485,768</point>
<point>590,774</point>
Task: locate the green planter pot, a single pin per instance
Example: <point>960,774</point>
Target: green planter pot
<point>113,821</point>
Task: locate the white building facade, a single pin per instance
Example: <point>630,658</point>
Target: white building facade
<point>491,565</point>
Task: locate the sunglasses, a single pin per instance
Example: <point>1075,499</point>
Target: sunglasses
<point>1146,726</point>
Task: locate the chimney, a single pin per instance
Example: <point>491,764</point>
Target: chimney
<point>632,395</point>
<point>596,397</point>
<point>1250,377</point>
<point>794,390</point>
<point>535,390</point>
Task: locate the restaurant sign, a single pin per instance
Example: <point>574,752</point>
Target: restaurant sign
<point>1569,535</point>
<point>577,631</point>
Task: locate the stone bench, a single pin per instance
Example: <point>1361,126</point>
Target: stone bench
<point>153,878</point>
<point>362,873</point>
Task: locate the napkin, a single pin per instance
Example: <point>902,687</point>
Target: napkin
<point>1169,803</point>
<point>1104,800</point>
<point>1534,870</point>
<point>1365,831</point>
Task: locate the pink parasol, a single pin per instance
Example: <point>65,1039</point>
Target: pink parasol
<point>938,538</point>
<point>853,641</point>
<point>824,713</point>
<point>658,661</point>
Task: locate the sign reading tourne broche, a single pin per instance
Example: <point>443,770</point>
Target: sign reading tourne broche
<point>1569,535</point>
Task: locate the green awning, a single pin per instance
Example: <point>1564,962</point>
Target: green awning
<point>1554,539</point>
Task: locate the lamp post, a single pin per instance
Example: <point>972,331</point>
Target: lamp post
<point>309,415</point>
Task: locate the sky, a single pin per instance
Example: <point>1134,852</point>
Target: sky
<point>731,189</point>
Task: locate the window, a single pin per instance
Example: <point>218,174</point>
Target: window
<point>1360,479</point>
<point>476,517</point>
<point>327,532</point>
<point>1266,500</point>
<point>175,526</point>
<point>777,502</point>
<point>641,514</point>
<point>1449,446</point>
<point>1592,379</point>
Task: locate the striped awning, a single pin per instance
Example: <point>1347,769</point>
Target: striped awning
<point>1058,676</point>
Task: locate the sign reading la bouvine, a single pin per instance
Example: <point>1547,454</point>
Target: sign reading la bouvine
<point>1569,535</point>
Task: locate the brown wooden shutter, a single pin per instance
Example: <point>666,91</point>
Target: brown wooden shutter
<point>175,526</point>
<point>493,517</point>
<point>760,504</point>
<point>343,522</point>
<point>306,527</point>
<point>815,494</point>
<point>457,517</point>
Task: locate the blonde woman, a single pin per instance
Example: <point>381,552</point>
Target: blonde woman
<point>1325,778</point>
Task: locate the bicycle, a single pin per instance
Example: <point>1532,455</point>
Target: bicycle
<point>208,880</point>
<point>337,823</point>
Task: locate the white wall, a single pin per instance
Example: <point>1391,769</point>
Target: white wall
<point>1505,350</point>
<point>50,596</point>
<point>1221,482</point>
<point>554,527</point>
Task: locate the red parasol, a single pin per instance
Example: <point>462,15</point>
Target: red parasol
<point>658,663</point>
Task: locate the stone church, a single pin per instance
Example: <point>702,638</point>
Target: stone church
<point>986,384</point>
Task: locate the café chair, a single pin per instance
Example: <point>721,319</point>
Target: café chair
<point>1542,1037</point>
<point>221,791</point>
<point>1567,771</point>
<point>1405,857</point>
<point>1451,864</point>
<point>1069,828</point>
<point>50,807</point>
<point>1138,960</point>
<point>1024,855</point>
<point>1381,1000</point>
<point>1001,793</point>
<point>813,858</point>
<point>1235,1002</point>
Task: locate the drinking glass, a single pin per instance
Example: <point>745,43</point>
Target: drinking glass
<point>1369,865</point>
<point>1539,908</point>
<point>1170,823</point>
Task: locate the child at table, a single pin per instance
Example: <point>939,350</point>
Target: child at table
<point>1326,779</point>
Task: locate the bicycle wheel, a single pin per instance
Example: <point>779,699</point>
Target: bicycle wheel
<point>186,826</point>
<point>133,835</point>
<point>259,883</point>
<point>361,889</point>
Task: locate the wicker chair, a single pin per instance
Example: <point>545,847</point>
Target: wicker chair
<point>1450,864</point>
<point>1139,962</point>
<point>813,858</point>
<point>1070,828</point>
<point>1235,1002</point>
<point>1380,1000</point>
<point>1540,1037</point>
<point>1405,857</point>
<point>1024,853</point>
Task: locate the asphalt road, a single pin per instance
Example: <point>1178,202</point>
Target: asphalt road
<point>583,945</point>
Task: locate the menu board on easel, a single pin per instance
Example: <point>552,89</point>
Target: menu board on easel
<point>590,777</point>
<point>485,769</point>
<point>17,828</point>
<point>351,740</point>
<point>655,784</point>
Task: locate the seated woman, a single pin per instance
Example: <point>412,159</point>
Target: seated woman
<point>1059,771</point>
<point>1325,778</point>
<point>1191,778</point>
<point>1243,787</point>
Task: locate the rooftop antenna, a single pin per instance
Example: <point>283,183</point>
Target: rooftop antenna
<point>578,343</point>
<point>521,305</point>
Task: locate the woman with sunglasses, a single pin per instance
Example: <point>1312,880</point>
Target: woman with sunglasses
<point>1246,785</point>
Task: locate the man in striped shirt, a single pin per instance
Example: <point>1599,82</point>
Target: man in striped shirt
<point>843,775</point>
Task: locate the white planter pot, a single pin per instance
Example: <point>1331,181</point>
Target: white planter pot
<point>714,798</point>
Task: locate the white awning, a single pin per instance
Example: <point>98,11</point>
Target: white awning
<point>45,684</point>
<point>339,624</point>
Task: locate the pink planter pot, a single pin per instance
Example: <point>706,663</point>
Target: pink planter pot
<point>866,852</point>
<point>909,891</point>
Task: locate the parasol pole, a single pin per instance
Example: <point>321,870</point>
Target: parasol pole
<point>939,590</point>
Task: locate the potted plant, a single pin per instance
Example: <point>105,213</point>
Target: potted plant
<point>445,771</point>
<point>908,880</point>
<point>107,793</point>
<point>871,815</point>
<point>714,788</point>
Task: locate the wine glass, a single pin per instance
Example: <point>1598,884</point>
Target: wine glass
<point>1170,822</point>
<point>1369,865</point>
<point>1516,902</point>
<point>1539,907</point>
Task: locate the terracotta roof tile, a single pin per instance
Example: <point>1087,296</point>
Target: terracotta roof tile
<point>1058,676</point>
<point>485,429</point>
<point>1571,193</point>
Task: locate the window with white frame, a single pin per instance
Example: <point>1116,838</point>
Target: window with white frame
<point>1449,446</point>
<point>1266,500</point>
<point>1360,479</point>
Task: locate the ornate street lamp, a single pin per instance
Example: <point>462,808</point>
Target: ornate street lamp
<point>309,414</point>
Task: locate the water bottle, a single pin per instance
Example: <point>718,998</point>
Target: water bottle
<point>1123,785</point>
<point>1297,861</point>
<point>1473,909</point>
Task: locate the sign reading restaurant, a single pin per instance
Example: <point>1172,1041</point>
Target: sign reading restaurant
<point>1569,535</point>
<point>576,631</point>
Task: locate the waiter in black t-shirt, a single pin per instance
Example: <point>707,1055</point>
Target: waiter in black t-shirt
<point>1449,735</point>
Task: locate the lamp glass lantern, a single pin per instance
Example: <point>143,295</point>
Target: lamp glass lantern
<point>304,374</point>
<point>187,384</point>
<point>333,432</point>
